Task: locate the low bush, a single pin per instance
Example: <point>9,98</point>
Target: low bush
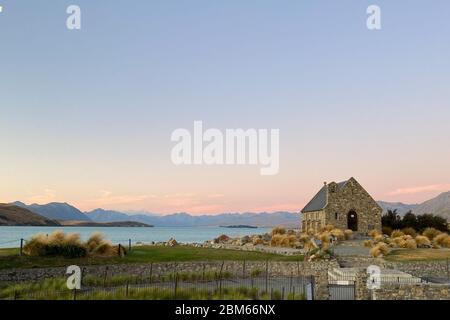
<point>431,233</point>
<point>397,233</point>
<point>409,231</point>
<point>67,245</point>
<point>373,233</point>
<point>278,230</point>
<point>442,240</point>
<point>368,243</point>
<point>422,241</point>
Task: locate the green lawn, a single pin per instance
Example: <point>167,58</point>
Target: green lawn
<point>9,258</point>
<point>405,255</point>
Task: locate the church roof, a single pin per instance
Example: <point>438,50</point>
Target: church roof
<point>320,200</point>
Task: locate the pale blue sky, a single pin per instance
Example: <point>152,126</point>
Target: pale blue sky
<point>86,116</point>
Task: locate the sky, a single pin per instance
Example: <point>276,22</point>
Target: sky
<point>86,116</point>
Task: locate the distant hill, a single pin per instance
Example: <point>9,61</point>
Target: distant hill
<point>11,215</point>
<point>401,208</point>
<point>439,206</point>
<point>133,224</point>
<point>263,219</point>
<point>55,211</point>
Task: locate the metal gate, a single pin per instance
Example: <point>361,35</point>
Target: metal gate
<point>341,291</point>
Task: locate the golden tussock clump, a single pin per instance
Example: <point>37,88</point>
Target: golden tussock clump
<point>397,233</point>
<point>422,241</point>
<point>409,231</point>
<point>431,233</point>
<point>304,238</point>
<point>442,240</point>
<point>379,249</point>
<point>373,233</point>
<point>410,244</point>
<point>379,238</point>
<point>348,234</point>
<point>276,240</point>
<point>338,233</point>
<point>278,230</point>
<point>328,227</point>
<point>368,243</point>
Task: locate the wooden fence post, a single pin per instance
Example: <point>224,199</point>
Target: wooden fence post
<point>120,254</point>
<point>151,272</point>
<point>175,287</point>
<point>21,247</point>
<point>267,274</point>
<point>129,245</point>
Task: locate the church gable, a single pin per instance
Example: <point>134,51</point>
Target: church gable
<point>346,205</point>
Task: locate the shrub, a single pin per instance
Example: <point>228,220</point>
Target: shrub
<point>104,248</point>
<point>410,244</point>
<point>386,230</point>
<point>373,233</point>
<point>442,240</point>
<point>375,252</point>
<point>348,234</point>
<point>431,233</point>
<point>36,245</point>
<point>383,247</point>
<point>328,227</point>
<point>338,233</point>
<point>422,241</point>
<point>278,230</point>
<point>94,241</point>
<point>276,240</point>
<point>409,231</point>
<point>397,233</point>
<point>379,238</point>
<point>368,243</point>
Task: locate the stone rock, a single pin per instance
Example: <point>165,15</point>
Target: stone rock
<point>222,239</point>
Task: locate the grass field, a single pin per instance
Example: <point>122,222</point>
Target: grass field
<point>405,255</point>
<point>9,258</point>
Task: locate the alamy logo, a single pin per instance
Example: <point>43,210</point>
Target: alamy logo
<point>374,280</point>
<point>235,146</point>
<point>74,280</point>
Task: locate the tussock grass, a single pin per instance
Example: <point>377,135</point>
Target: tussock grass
<point>422,241</point>
<point>397,233</point>
<point>409,231</point>
<point>431,233</point>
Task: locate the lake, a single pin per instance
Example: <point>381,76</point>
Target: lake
<point>10,236</point>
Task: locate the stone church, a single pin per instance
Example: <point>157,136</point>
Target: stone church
<point>345,205</point>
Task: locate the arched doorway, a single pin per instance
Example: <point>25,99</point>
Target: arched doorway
<point>352,221</point>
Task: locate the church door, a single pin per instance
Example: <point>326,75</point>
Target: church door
<point>352,221</point>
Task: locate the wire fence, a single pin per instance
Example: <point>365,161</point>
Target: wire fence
<point>173,288</point>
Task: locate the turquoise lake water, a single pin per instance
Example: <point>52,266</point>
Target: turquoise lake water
<point>10,236</point>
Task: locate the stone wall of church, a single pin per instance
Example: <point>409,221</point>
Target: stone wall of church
<point>352,197</point>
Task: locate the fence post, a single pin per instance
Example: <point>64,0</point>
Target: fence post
<point>106,274</point>
<point>21,247</point>
<point>129,245</point>
<point>120,254</point>
<point>243,269</point>
<point>448,271</point>
<point>220,279</point>
<point>267,274</point>
<point>175,287</point>
<point>203,272</point>
<point>151,272</point>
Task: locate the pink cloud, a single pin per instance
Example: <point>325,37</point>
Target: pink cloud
<point>420,189</point>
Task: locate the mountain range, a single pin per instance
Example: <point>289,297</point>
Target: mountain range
<point>439,205</point>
